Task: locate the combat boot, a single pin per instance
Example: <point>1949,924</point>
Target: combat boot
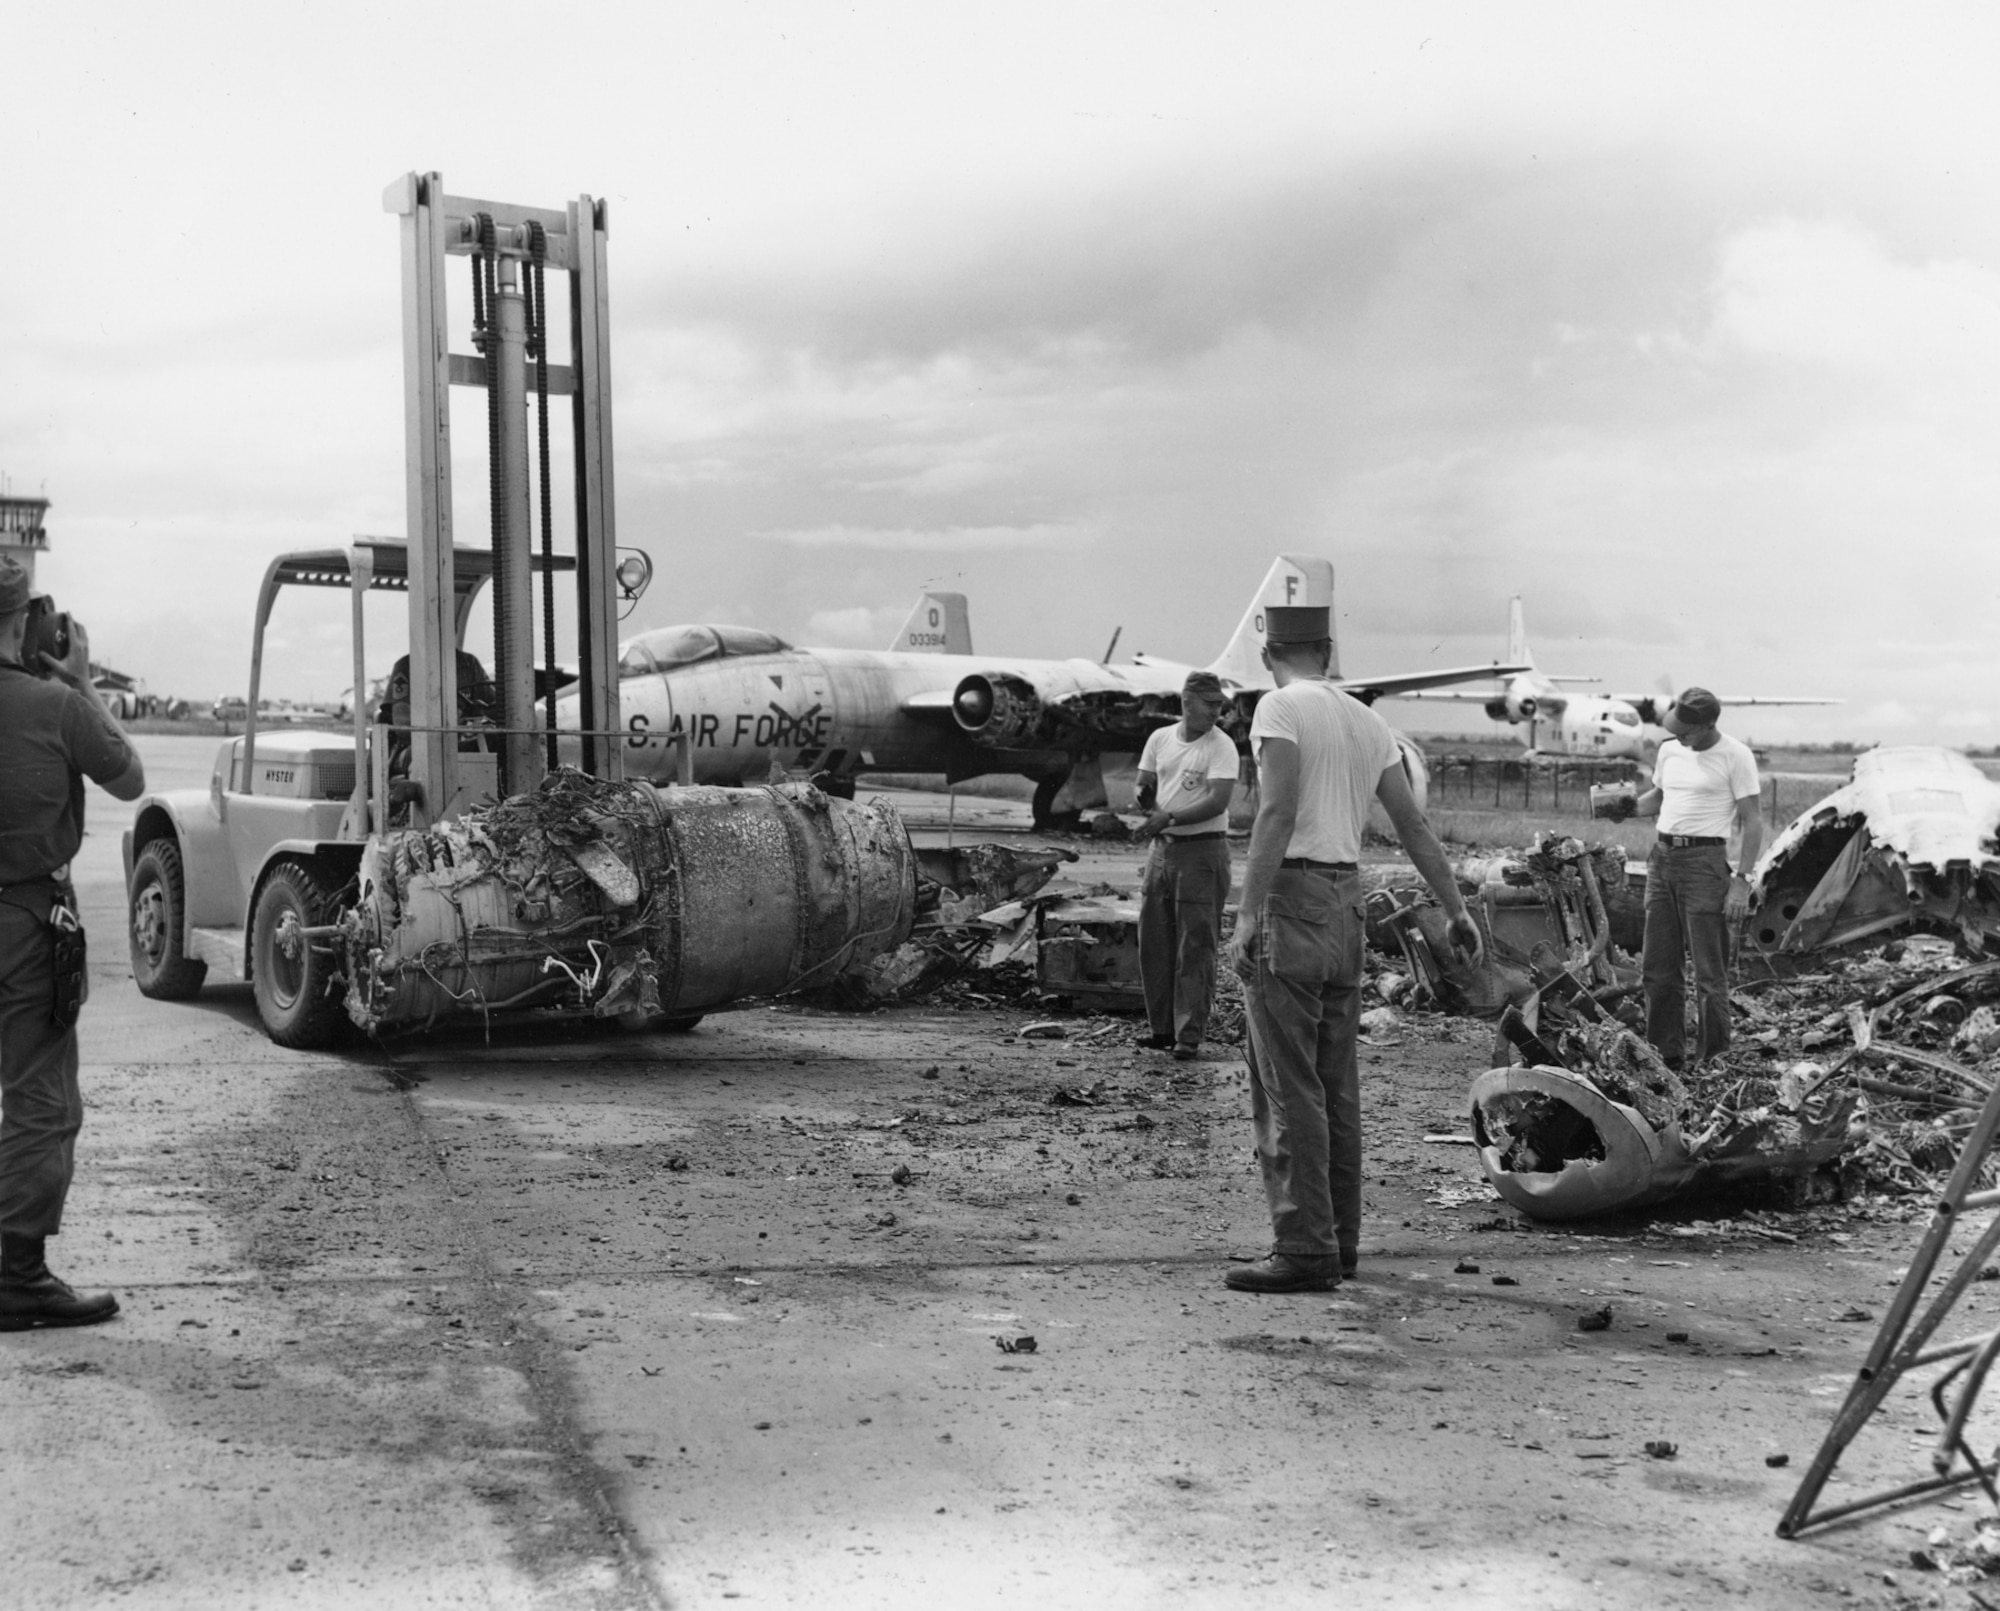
<point>31,1296</point>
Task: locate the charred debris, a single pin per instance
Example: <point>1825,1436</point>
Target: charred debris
<point>1859,1065</point>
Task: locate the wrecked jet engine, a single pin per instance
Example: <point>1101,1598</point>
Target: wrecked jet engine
<point>590,898</point>
<point>1558,1146</point>
<point>1084,701</point>
<point>1596,1123</point>
<point>1911,839</point>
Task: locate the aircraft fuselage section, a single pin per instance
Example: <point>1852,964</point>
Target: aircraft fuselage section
<point>1593,726</point>
<point>842,710</point>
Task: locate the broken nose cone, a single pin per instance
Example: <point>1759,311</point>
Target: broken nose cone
<point>1556,1147</point>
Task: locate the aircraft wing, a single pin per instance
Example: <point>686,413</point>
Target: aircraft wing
<point>931,703</point>
<point>1747,700</point>
<point>1732,699</point>
<point>1407,684</point>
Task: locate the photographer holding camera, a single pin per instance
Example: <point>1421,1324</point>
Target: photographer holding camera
<point>54,733</point>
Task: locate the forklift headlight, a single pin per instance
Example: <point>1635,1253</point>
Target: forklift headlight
<point>634,573</point>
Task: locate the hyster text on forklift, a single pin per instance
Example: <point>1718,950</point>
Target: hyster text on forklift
<point>439,863</point>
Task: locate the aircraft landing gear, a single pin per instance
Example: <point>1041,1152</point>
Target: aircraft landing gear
<point>1042,811</point>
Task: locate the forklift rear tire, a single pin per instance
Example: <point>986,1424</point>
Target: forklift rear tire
<point>157,915</point>
<point>292,980</point>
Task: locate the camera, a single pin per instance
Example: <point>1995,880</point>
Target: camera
<point>47,633</point>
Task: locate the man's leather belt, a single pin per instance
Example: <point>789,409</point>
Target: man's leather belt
<point>1682,841</point>
<point>1305,864</point>
<point>1194,838</point>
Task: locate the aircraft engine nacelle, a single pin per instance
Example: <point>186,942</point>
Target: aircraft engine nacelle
<point>1002,712</point>
<point>1522,707</point>
<point>1497,710</point>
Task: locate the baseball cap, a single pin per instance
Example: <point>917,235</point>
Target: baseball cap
<point>15,587</point>
<point>1697,707</point>
<point>1298,623</point>
<point>1202,682</point>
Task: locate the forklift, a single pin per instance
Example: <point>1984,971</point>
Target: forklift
<point>242,882</point>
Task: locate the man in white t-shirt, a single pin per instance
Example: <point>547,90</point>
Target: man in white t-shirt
<point>1186,774</point>
<point>1321,755</point>
<point>1704,784</point>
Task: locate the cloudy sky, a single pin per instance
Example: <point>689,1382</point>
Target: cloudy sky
<point>1681,321</point>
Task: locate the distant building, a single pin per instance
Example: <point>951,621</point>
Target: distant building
<point>21,530</point>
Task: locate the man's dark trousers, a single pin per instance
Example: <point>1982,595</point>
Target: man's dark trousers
<point>1686,890</point>
<point>1180,933</point>
<point>41,1104</point>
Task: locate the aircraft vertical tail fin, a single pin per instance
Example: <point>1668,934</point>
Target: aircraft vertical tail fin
<point>940,624</point>
<point>1292,579</point>
<point>1517,633</point>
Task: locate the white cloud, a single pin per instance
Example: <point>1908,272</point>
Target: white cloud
<point>1981,722</point>
<point>857,627</point>
<point>1888,713</point>
<point>1825,291</point>
<point>941,538</point>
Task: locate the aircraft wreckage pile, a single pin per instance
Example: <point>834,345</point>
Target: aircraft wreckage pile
<point>1860,1066</point>
<point>1850,1067</point>
<point>1867,1033</point>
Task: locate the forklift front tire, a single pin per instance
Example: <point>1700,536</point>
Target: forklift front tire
<point>293,979</point>
<point>160,966</point>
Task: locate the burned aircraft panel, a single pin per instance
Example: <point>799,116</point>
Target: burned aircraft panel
<point>610,898</point>
<point>958,884</point>
<point>1911,839</point>
<point>1088,948</point>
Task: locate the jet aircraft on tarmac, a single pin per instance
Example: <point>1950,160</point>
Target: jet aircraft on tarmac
<point>741,701</point>
<point>1559,723</point>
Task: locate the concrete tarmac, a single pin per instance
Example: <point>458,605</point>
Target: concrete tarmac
<point>650,1322</point>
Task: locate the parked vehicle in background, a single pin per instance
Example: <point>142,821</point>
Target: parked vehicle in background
<point>121,701</point>
<point>229,708</point>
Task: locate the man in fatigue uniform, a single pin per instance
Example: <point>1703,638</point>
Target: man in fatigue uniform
<point>1186,775</point>
<point>54,732</point>
<point>1321,756</point>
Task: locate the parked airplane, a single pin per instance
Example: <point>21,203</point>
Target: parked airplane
<point>742,700</point>
<point>1560,723</point>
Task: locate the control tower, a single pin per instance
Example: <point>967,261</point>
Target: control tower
<point>21,530</point>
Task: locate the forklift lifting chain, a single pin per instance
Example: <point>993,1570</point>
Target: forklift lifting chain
<point>535,311</point>
<point>485,307</point>
<point>538,348</point>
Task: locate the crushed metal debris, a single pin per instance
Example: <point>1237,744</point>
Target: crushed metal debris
<point>1860,1074</point>
<point>1909,842</point>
